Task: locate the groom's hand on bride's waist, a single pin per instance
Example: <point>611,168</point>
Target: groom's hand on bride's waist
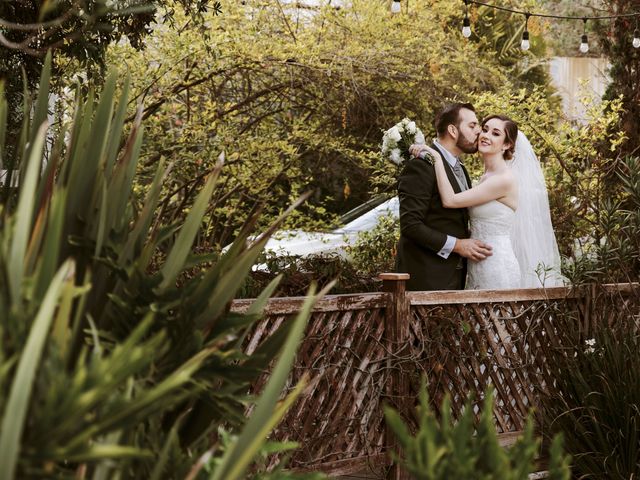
<point>472,249</point>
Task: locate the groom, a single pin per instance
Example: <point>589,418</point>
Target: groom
<point>434,243</point>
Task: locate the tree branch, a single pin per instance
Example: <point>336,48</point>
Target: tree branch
<point>25,27</point>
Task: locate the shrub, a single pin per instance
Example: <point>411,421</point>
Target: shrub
<point>298,273</point>
<point>374,251</point>
<point>108,370</point>
<point>595,400</point>
<point>442,449</point>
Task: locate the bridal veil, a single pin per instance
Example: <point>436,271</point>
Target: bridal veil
<point>533,237</point>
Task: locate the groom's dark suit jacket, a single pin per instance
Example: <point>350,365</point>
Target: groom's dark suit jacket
<point>424,226</point>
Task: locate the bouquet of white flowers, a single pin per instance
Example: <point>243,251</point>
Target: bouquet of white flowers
<point>397,140</point>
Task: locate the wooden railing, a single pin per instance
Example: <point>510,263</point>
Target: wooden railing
<point>364,350</point>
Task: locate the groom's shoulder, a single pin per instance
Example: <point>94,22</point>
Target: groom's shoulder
<point>416,169</point>
<point>438,149</point>
<point>419,164</point>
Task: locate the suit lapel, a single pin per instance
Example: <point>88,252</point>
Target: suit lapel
<point>454,182</point>
<point>450,175</point>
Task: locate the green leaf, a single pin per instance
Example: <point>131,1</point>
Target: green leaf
<point>163,458</point>
<point>141,228</point>
<point>120,185</point>
<point>13,418</point>
<point>3,123</point>
<point>42,103</point>
<point>265,415</point>
<point>113,144</point>
<point>24,217</point>
<point>229,284</point>
<point>98,452</point>
<point>76,176</point>
<point>257,307</point>
<point>175,261</point>
<point>102,217</point>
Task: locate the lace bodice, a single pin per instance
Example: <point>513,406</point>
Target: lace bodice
<point>490,219</point>
<point>492,222</point>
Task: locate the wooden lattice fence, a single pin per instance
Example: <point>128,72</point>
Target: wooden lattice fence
<point>363,350</point>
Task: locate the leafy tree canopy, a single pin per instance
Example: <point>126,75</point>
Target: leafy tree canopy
<point>74,30</point>
<point>298,97</point>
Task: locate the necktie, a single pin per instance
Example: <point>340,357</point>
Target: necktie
<point>462,180</point>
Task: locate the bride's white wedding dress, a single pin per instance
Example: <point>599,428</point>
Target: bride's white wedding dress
<point>525,251</point>
<point>492,222</point>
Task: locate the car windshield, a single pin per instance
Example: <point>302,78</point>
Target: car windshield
<point>362,209</point>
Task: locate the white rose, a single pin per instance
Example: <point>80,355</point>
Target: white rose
<point>419,138</point>
<point>395,156</point>
<point>411,127</point>
<point>394,134</point>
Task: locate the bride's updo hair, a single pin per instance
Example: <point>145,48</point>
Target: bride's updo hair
<point>510,133</point>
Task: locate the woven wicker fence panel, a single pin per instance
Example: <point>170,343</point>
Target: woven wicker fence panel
<point>338,417</point>
<point>465,349</point>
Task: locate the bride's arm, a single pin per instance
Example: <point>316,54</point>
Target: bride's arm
<point>492,188</point>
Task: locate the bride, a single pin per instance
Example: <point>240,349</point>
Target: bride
<point>508,209</point>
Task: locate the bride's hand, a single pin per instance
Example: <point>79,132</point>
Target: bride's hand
<point>417,148</point>
<point>433,153</point>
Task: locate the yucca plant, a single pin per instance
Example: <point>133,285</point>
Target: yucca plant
<point>596,396</point>
<point>442,449</point>
<point>109,369</point>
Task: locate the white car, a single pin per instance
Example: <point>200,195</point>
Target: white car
<point>361,219</point>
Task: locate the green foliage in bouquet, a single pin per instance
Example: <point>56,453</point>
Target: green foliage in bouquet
<point>109,370</point>
<point>596,396</point>
<point>443,449</point>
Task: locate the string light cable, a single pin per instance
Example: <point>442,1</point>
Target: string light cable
<point>525,44</point>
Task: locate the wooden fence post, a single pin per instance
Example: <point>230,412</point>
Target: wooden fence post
<point>396,332</point>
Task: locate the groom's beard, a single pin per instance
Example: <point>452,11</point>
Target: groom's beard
<point>466,146</point>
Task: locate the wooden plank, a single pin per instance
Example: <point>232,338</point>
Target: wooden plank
<point>396,335</point>
<point>361,464</point>
<point>509,439</point>
<point>524,294</point>
<point>455,297</point>
<point>341,302</point>
<point>329,303</point>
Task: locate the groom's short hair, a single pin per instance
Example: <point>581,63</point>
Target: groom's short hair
<point>450,115</point>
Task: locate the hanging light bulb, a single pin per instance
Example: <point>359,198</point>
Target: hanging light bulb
<point>525,45</point>
<point>395,6</point>
<point>584,42</point>
<point>636,38</point>
<point>466,23</point>
<point>466,27</point>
